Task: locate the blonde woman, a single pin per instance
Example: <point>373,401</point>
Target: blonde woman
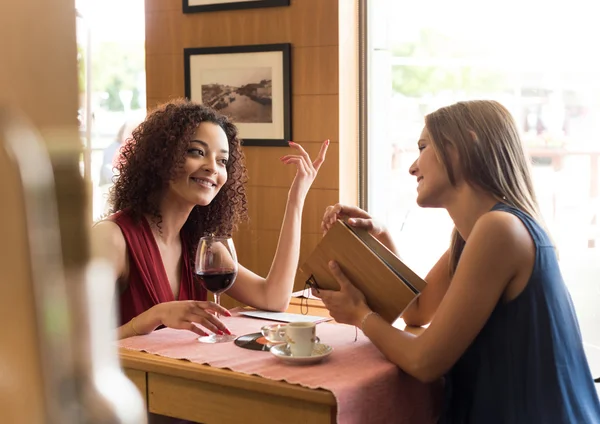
<point>503,331</point>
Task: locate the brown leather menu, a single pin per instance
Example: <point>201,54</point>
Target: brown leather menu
<point>387,283</point>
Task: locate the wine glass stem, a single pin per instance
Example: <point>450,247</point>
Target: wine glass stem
<point>218,302</point>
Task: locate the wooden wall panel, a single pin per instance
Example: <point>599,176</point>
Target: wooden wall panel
<point>312,28</point>
<point>303,23</point>
<point>315,118</point>
<point>156,5</point>
<point>152,102</point>
<point>259,259</point>
<point>263,163</point>
<point>315,70</point>
<point>164,73</point>
<point>267,206</point>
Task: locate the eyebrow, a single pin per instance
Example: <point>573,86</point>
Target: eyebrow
<point>420,140</point>
<point>205,145</point>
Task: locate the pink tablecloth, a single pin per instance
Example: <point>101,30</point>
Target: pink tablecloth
<point>367,387</point>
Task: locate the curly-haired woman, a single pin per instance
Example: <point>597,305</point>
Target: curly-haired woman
<point>181,176</point>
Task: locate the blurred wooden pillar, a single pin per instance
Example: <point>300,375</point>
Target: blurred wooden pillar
<point>38,76</point>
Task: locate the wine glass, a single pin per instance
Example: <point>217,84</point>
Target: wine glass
<point>216,266</point>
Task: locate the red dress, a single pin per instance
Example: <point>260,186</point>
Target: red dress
<point>147,284</point>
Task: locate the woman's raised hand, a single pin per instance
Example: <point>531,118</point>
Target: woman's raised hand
<point>306,169</point>
<point>356,218</point>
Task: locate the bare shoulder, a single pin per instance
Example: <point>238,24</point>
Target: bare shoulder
<point>501,232</point>
<point>504,225</point>
<point>109,233</point>
<point>108,242</point>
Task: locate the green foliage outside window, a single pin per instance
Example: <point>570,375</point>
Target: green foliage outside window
<point>418,81</point>
<point>117,66</point>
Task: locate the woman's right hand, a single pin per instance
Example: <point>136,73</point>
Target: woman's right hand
<point>184,314</point>
<point>358,218</point>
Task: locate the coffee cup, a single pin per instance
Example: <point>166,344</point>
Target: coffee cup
<point>301,338</point>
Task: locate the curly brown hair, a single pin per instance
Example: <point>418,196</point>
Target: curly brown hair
<point>156,153</point>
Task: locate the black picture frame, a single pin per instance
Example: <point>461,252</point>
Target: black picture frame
<point>191,6</point>
<point>256,75</point>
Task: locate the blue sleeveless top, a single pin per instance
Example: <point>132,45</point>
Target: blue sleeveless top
<point>527,365</point>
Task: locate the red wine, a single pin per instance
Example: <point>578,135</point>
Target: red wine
<point>217,280</point>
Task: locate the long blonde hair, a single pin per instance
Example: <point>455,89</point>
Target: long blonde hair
<point>491,156</point>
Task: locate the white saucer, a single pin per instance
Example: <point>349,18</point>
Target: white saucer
<point>320,351</point>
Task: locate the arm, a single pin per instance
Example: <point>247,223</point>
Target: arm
<point>274,292</point>
<point>422,310</point>
<point>498,249</point>
<point>108,243</point>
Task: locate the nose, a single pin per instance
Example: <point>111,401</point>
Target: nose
<point>413,168</point>
<point>210,164</point>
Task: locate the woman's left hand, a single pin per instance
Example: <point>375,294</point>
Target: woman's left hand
<point>348,305</point>
<point>306,169</point>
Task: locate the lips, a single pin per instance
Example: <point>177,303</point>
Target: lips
<point>204,182</point>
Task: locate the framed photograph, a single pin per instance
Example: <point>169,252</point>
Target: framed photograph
<point>195,6</point>
<point>250,84</point>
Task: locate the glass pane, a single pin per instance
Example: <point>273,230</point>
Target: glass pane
<point>544,70</point>
<point>118,85</point>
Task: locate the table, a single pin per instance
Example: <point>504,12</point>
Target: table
<point>201,393</point>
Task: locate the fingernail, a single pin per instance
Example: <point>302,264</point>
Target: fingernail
<point>332,265</point>
<point>291,142</point>
<point>327,142</point>
<point>220,333</point>
<point>228,331</point>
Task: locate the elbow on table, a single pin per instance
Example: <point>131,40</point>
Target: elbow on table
<point>279,306</point>
<point>425,376</point>
<point>413,316</point>
<point>415,320</point>
<point>424,369</point>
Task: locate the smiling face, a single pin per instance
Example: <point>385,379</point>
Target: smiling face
<point>204,171</point>
<point>433,183</point>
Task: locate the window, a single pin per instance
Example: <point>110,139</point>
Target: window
<point>111,60</point>
<point>535,58</point>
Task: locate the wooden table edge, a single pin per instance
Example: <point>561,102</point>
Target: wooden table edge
<point>150,363</point>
